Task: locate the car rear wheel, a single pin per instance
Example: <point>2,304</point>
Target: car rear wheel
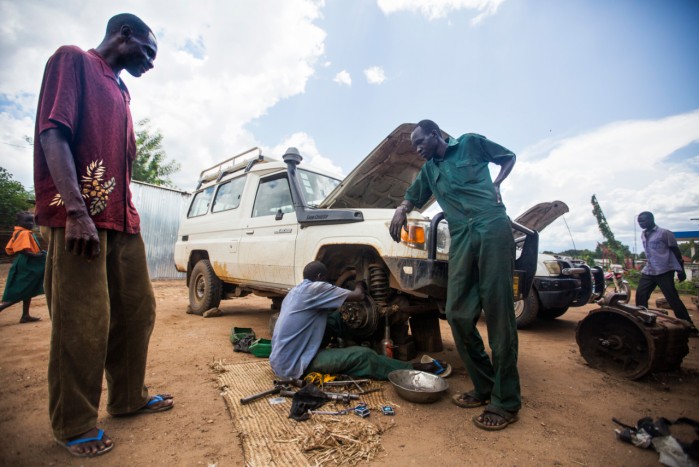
<point>526,310</point>
<point>273,322</point>
<point>204,288</point>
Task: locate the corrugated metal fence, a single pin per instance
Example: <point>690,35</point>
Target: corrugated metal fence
<point>160,209</point>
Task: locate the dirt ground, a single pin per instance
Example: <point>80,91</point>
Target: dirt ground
<point>565,419</point>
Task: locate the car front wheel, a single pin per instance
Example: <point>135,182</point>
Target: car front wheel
<point>204,288</point>
<point>526,310</point>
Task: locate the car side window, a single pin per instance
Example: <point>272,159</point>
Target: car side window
<point>228,195</point>
<point>200,203</point>
<point>273,194</point>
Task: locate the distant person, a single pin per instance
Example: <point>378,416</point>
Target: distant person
<point>26,277</point>
<point>481,262</point>
<point>306,324</point>
<point>98,291</point>
<point>663,259</point>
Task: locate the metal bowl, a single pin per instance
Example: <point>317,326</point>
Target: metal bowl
<point>418,386</point>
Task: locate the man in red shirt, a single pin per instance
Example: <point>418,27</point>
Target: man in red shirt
<point>97,286</point>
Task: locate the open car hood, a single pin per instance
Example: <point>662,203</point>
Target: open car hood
<point>541,215</point>
<point>381,179</point>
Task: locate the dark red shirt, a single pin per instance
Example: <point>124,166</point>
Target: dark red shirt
<point>81,94</point>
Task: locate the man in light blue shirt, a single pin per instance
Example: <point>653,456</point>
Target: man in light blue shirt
<point>663,259</point>
<point>303,320</point>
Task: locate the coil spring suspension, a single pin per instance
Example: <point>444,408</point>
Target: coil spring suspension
<point>378,284</point>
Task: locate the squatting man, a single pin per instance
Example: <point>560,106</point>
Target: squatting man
<point>307,322</point>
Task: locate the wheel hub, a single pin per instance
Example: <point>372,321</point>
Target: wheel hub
<point>361,317</point>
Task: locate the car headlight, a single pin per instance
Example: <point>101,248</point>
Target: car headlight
<point>553,267</point>
<point>443,238</point>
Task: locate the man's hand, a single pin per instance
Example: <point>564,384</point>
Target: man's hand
<point>498,196</point>
<point>81,233</point>
<point>81,236</point>
<point>400,220</point>
<point>681,275</point>
<point>359,292</point>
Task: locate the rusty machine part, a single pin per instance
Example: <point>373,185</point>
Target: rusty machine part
<point>630,341</point>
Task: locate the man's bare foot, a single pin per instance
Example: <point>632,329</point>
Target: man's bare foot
<point>29,319</point>
<point>493,419</point>
<point>158,403</point>
<point>89,444</point>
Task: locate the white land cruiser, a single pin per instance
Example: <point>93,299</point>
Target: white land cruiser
<point>254,223</point>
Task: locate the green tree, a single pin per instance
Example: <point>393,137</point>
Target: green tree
<point>150,165</point>
<point>611,247</point>
<point>13,198</point>
<point>686,249</point>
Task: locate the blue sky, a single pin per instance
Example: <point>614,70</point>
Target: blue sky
<point>594,97</point>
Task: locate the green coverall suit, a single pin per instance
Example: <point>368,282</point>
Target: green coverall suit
<point>481,262</point>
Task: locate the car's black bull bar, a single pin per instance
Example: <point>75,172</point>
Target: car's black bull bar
<point>429,276</point>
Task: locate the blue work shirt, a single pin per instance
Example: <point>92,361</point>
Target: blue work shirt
<point>657,243</point>
<point>299,330</point>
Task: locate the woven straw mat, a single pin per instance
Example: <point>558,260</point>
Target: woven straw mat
<point>268,436</point>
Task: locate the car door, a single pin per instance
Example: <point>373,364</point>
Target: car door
<point>267,244</point>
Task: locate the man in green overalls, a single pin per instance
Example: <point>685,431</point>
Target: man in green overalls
<point>481,261</point>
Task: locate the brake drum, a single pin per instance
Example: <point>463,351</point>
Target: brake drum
<point>361,317</point>
<point>632,342</point>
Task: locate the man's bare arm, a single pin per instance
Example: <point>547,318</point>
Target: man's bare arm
<point>81,233</point>
<point>505,169</point>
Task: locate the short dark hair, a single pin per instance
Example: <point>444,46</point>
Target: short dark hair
<point>647,214</point>
<point>21,215</point>
<point>429,126</point>
<point>134,22</point>
<point>313,270</point>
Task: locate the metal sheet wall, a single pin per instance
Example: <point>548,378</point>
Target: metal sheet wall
<point>161,210</point>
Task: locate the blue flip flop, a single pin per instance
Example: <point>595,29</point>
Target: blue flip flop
<point>154,400</point>
<point>75,442</point>
<point>443,368</point>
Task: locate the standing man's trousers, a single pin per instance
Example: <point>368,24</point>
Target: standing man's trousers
<point>481,266</point>
<point>666,282</point>
<point>102,312</point>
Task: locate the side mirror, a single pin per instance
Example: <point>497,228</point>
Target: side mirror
<point>279,215</point>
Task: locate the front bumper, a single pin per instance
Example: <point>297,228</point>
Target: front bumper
<point>424,276</point>
<point>563,292</point>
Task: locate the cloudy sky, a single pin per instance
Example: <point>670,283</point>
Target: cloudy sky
<point>594,97</point>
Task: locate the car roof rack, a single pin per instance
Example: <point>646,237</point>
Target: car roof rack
<point>243,161</point>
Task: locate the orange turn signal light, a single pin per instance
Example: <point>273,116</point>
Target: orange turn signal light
<point>414,235</point>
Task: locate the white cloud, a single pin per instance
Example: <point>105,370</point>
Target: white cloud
<point>213,74</point>
<point>625,165</point>
<point>343,77</point>
<point>375,75</point>
<point>308,150</point>
<point>437,9</point>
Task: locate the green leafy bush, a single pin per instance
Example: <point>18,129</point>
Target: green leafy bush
<point>686,287</point>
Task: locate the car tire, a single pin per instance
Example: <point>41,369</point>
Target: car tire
<point>204,288</point>
<point>272,322</point>
<point>276,303</point>
<point>552,313</point>
<point>526,310</point>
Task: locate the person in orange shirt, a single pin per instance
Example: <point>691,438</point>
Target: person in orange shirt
<point>26,277</point>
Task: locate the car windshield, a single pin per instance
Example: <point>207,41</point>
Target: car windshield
<point>316,187</point>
